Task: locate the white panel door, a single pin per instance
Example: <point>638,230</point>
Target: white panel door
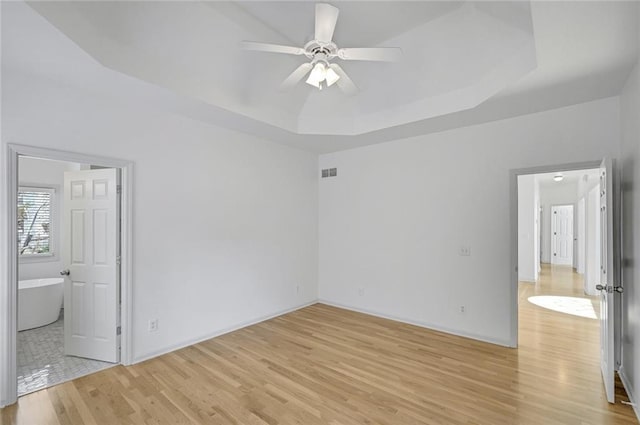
<point>562,235</point>
<point>90,250</point>
<point>607,286</point>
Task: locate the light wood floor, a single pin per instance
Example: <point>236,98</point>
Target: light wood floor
<point>323,365</point>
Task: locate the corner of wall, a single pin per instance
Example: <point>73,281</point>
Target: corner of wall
<point>192,341</point>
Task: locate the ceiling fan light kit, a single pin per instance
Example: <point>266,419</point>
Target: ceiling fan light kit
<point>320,73</point>
<point>321,51</point>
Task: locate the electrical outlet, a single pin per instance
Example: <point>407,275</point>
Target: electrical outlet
<point>361,291</point>
<point>462,309</point>
<point>465,251</point>
<point>153,325</point>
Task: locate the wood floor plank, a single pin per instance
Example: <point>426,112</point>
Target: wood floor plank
<point>324,365</point>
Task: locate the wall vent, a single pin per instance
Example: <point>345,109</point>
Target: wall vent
<point>329,172</point>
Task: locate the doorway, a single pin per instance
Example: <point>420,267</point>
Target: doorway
<point>555,311</point>
<point>64,317</point>
<point>70,288</point>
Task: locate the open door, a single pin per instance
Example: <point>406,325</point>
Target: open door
<point>607,286</point>
<point>90,255</point>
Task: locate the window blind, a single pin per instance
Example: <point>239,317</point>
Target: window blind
<point>34,221</point>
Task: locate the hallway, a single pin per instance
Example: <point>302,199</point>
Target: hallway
<point>563,331</point>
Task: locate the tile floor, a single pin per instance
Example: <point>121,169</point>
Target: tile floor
<point>41,359</point>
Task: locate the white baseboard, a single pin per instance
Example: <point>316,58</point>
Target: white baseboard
<point>236,327</point>
<point>528,279</point>
<point>241,325</point>
<point>629,389</point>
<point>483,338</point>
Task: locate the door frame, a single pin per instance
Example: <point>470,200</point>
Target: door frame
<point>581,223</point>
<point>513,190</point>
<point>551,236</point>
<point>9,257</point>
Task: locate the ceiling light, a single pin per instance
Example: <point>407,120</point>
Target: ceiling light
<point>321,72</point>
<point>331,77</point>
<point>558,177</point>
<point>317,75</point>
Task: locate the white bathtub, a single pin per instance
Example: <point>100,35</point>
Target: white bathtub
<point>39,302</point>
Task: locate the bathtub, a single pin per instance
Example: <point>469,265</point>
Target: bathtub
<point>39,302</point>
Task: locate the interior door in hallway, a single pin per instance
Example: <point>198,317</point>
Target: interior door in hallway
<point>562,234</point>
<point>90,250</point>
<point>607,286</point>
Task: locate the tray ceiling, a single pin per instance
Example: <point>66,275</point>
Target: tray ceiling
<point>456,55</point>
<point>465,63</point>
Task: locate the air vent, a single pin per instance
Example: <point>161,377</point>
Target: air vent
<point>329,172</point>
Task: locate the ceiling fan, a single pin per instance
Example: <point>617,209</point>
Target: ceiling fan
<point>321,50</point>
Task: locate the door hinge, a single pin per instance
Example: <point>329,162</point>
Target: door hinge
<point>119,188</point>
<point>118,260</point>
<point>119,330</point>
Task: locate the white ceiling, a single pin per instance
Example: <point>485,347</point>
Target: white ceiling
<point>570,177</point>
<point>183,57</point>
<point>360,23</point>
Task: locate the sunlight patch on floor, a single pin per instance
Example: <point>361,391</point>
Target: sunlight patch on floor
<point>581,307</point>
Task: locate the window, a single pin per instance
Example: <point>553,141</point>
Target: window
<point>35,218</point>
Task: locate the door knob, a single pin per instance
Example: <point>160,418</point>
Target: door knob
<point>600,287</point>
<point>65,272</point>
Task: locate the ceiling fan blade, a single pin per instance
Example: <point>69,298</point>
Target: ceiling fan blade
<point>295,77</point>
<point>380,54</point>
<point>326,18</point>
<point>345,83</point>
<point>272,48</point>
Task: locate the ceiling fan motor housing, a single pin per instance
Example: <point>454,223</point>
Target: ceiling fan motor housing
<point>320,51</point>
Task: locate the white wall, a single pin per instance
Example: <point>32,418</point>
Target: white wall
<point>33,171</point>
<point>393,220</point>
<point>225,225</point>
<point>630,161</point>
<point>550,195</point>
<point>527,217</point>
